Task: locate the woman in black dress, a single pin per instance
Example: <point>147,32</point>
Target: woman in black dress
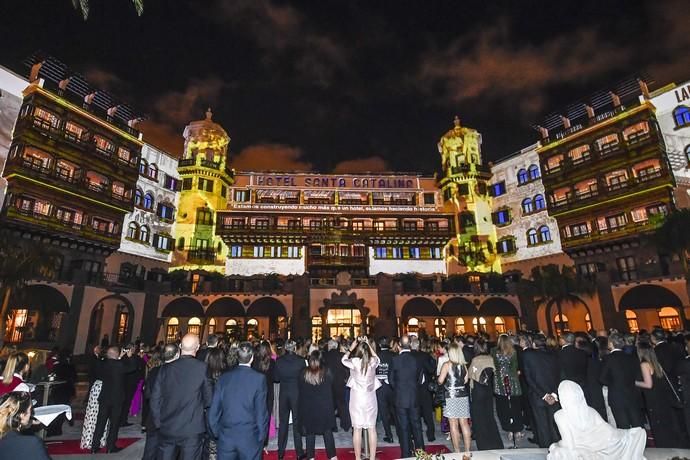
<point>595,389</point>
<point>482,399</point>
<point>216,364</point>
<point>658,397</point>
<point>507,387</point>
<point>316,408</point>
<point>263,362</point>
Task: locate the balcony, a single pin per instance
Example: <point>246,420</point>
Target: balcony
<point>345,230</point>
<point>204,257</point>
<point>186,162</point>
<point>210,164</point>
<point>595,236</point>
<point>60,176</point>
<point>335,260</point>
<point>84,142</point>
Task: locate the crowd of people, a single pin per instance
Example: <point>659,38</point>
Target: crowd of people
<point>224,398</point>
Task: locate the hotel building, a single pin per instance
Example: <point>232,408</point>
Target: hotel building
<point>609,184</point>
<point>11,87</point>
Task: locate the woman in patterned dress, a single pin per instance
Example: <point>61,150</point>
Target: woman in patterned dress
<point>507,387</point>
<point>90,418</point>
<point>455,379</point>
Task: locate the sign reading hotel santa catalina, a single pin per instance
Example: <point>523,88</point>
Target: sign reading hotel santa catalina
<point>332,181</point>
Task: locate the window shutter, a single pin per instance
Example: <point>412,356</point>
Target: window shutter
<point>169,244</point>
<point>155,240</point>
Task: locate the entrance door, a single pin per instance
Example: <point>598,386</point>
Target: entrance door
<point>343,321</point>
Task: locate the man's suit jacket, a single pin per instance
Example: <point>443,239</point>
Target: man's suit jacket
<point>179,396</point>
<point>112,373</point>
<point>668,358</point>
<point>15,446</point>
<point>340,373</point>
<point>619,371</point>
<point>541,372</point>
<point>468,352</point>
<point>573,363</point>
<point>404,378</point>
<point>427,365</point>
<point>238,416</point>
<point>288,370</point>
<point>148,389</point>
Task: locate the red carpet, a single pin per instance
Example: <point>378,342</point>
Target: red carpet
<point>71,446</point>
<point>346,453</point>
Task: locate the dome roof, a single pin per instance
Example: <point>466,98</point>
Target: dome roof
<point>206,130</point>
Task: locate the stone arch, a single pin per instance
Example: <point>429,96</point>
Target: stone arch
<point>105,319</point>
<point>575,310</point>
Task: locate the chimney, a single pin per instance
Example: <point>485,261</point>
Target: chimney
<point>643,88</point>
<point>566,121</point>
<point>590,111</point>
<point>615,99</point>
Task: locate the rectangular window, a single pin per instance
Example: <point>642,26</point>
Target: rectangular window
<point>429,198</point>
<point>463,189</point>
<point>235,251</point>
<point>124,154</point>
<point>261,223</point>
<point>409,226</point>
<point>241,196</point>
<point>501,217</point>
<point>315,224</point>
<point>74,132</point>
<point>172,183</point>
<point>381,252</point>
<point>293,252</point>
<point>223,191</point>
<point>497,189</point>
<point>616,222</point>
<point>163,242</point>
<point>104,145</point>
<point>293,224</point>
<point>435,253</point>
<point>505,246</point>
<point>627,268</point>
<point>397,253</point>
<point>579,229</point>
<point>431,226</point>
<point>237,223</point>
<point>205,184</point>
<point>258,251</point>
<point>204,216</point>
<point>414,252</point>
<point>379,226</point>
<point>187,183</point>
<point>46,119</point>
<point>587,268</point>
<point>357,225</point>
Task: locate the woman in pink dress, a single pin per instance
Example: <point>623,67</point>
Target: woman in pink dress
<point>362,361</point>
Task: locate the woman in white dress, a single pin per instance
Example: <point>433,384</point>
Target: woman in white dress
<point>362,361</point>
<point>586,436</point>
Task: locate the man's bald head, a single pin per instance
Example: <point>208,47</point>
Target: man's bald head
<point>113,352</point>
<point>189,345</point>
<point>405,342</point>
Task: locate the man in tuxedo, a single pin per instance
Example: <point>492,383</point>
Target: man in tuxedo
<point>211,342</point>
<point>238,416</point>
<point>467,347</point>
<point>287,373</point>
<point>179,397</point>
<point>619,372</point>
<point>426,406</point>
<point>340,373</point>
<point>572,361</point>
<point>404,378</point>
<point>543,376</point>
<point>665,353</point>
<point>111,372</point>
<point>525,346</point>
<point>131,382</point>
<point>171,352</point>
<point>384,394</point>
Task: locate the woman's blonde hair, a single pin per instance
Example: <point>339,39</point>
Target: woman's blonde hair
<point>12,405</point>
<point>505,345</point>
<point>15,364</point>
<point>455,354</point>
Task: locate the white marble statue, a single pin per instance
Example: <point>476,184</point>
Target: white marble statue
<point>586,436</point>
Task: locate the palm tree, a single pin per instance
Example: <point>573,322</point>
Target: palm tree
<point>553,284</point>
<point>83,6</point>
<point>21,260</point>
<point>673,236</point>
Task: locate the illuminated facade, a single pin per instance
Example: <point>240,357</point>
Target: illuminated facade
<point>609,185</point>
<point>205,183</point>
<point>464,186</point>
<point>147,232</point>
<point>325,223</point>
<point>11,87</point>
<point>526,235</point>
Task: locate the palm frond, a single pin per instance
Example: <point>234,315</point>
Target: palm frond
<point>139,6</point>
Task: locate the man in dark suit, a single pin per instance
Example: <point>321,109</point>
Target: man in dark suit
<point>543,376</point>
<point>683,372</point>
<point>572,361</point>
<point>340,373</point>
<point>384,394</point>
<point>288,370</point>
<point>238,417</point>
<point>179,397</point>
<point>467,347</point>
<point>211,342</point>
<point>131,382</point>
<point>170,353</point>
<point>525,346</point>
<point>665,353</point>
<point>426,406</point>
<point>619,372</point>
<point>404,378</point>
<point>111,372</point>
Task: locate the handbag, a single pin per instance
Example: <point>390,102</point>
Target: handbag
<point>677,403</point>
<point>437,392</point>
<point>486,377</point>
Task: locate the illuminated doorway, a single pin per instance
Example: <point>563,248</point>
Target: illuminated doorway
<point>172,329</point>
<point>631,319</point>
<point>500,325</point>
<point>459,326</point>
<point>343,321</point>
<point>560,322</point>
<point>252,328</point>
<point>194,326</point>
<point>232,328</point>
<point>413,326</point>
<point>669,319</point>
<point>440,327</point>
<point>479,325</point>
<point>316,328</point>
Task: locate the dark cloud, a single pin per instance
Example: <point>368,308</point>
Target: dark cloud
<point>270,157</point>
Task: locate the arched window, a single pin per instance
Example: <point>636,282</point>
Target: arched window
<point>500,325</point>
<point>194,326</point>
<point>171,330</point>
<point>412,325</point>
<point>252,328</point>
<point>459,326</point>
<point>588,322</point>
<point>133,231</point>
<point>138,197</point>
<point>631,318</point>
<point>143,166</point>
<point>533,172</point>
<point>522,176</point>
<point>152,171</point>
<point>681,115</point>
<point>148,201</point>
<point>440,327</point>
<point>532,237</point>
<point>527,206</point>
<point>539,202</point>
<point>231,322</point>
<point>481,325</point>
<point>561,322</point>
<point>668,316</point>
<point>144,234</point>
<point>211,326</point>
<point>544,233</point>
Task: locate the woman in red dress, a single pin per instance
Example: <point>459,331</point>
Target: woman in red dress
<point>16,369</point>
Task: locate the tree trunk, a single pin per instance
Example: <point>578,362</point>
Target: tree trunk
<point>3,314</point>
<point>561,324</point>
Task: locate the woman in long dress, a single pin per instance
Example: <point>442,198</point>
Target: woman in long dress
<point>585,435</point>
<point>482,399</point>
<point>362,361</point>
<point>316,407</point>
<point>90,418</point>
<point>455,379</point>
<point>507,387</point>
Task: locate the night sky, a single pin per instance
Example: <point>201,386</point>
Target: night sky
<point>352,85</point>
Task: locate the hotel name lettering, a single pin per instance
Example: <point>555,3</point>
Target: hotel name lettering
<point>334,181</point>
